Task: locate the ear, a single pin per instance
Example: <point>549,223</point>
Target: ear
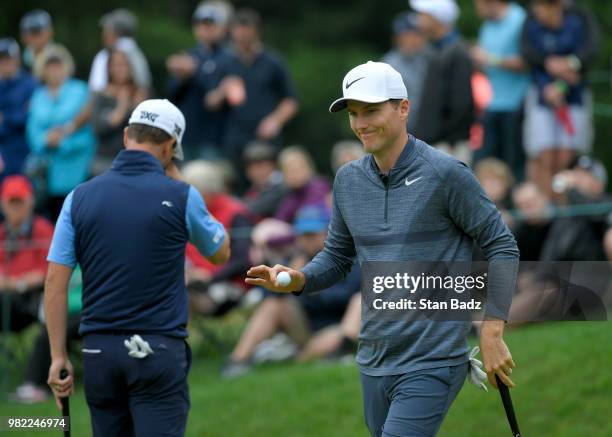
<point>125,136</point>
<point>168,150</point>
<point>404,108</point>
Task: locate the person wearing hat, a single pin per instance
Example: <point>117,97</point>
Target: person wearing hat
<point>410,56</point>
<point>25,241</point>
<point>61,153</point>
<point>267,188</point>
<point>128,229</point>
<point>406,201</point>
<point>195,72</point>
<point>446,112</point>
<point>118,31</point>
<point>16,88</point>
<point>36,28</point>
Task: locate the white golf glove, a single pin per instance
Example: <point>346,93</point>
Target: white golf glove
<point>476,375</point>
<point>138,348</point>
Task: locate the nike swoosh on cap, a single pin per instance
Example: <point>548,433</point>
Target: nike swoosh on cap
<point>348,85</point>
<point>412,181</point>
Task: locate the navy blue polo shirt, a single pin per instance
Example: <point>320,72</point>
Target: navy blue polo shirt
<point>267,83</point>
<point>128,229</point>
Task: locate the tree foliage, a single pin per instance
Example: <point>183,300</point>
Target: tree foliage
<point>320,39</point>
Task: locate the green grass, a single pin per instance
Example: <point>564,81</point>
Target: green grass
<point>563,376</point>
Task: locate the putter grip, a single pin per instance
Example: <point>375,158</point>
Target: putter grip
<point>504,392</point>
<point>65,404</point>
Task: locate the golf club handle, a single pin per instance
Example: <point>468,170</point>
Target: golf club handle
<point>65,404</point>
<point>504,392</point>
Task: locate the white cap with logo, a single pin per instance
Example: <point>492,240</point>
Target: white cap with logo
<point>372,82</point>
<point>162,114</point>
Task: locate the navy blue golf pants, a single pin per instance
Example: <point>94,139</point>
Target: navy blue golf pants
<point>412,404</point>
<point>129,396</point>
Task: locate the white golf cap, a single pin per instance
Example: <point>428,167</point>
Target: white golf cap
<point>162,114</point>
<point>444,11</point>
<point>372,82</point>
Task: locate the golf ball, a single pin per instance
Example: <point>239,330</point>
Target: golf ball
<point>283,279</point>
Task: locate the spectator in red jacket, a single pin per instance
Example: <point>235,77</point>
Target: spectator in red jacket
<point>25,240</point>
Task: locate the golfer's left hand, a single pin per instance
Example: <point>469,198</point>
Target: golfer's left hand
<point>61,387</point>
<point>495,354</point>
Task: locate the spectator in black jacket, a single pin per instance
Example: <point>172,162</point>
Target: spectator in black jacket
<point>194,73</point>
<point>447,106</point>
<point>267,101</point>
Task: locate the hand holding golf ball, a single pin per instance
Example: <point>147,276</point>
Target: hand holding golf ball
<point>280,279</point>
<point>283,279</point>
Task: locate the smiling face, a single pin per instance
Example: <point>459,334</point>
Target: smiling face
<point>378,125</point>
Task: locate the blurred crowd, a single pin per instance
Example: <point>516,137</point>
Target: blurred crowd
<point>514,104</point>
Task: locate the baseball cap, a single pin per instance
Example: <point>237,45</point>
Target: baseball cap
<point>444,11</point>
<point>311,219</point>
<point>162,114</point>
<point>372,82</point>
<point>9,48</point>
<point>16,187</point>
<point>405,22</point>
<point>35,21</point>
<point>211,12</point>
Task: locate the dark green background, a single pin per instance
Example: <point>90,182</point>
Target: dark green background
<point>320,39</point>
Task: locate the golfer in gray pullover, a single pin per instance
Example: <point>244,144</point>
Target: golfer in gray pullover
<point>406,201</point>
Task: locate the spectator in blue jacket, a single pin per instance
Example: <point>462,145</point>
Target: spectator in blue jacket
<point>16,88</point>
<point>63,153</point>
<point>498,55</point>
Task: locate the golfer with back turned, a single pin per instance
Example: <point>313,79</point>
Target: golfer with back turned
<point>127,229</point>
<point>405,201</point>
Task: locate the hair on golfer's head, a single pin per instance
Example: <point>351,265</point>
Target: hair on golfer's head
<point>142,133</point>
